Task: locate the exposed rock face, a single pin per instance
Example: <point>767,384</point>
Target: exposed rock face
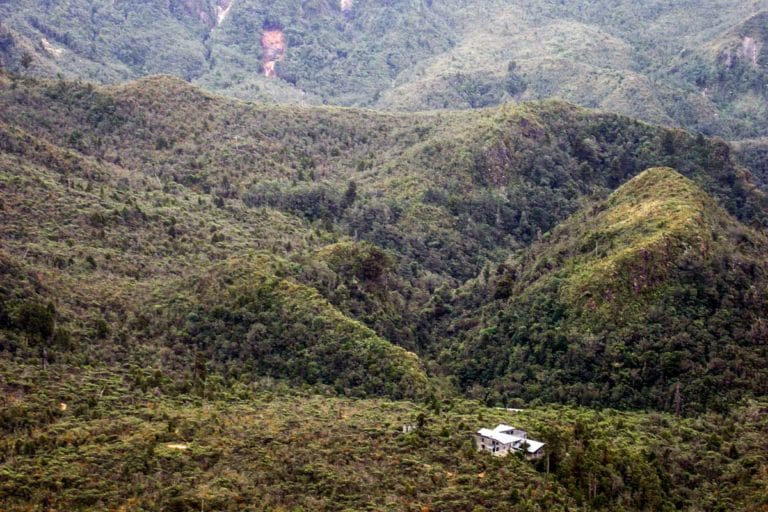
<point>222,10</point>
<point>748,50</point>
<point>50,49</point>
<point>273,50</point>
<point>209,13</point>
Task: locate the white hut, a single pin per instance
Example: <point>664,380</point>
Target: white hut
<point>505,439</point>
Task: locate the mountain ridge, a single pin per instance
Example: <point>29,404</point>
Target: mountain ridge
<point>629,58</point>
<point>378,218</point>
<point>213,303</point>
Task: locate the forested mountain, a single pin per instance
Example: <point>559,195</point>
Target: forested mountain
<point>654,297</point>
<point>352,228</point>
<point>700,65</point>
<point>210,302</point>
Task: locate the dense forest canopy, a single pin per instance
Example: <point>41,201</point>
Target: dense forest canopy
<point>700,65</point>
<point>312,301</point>
<point>316,244</point>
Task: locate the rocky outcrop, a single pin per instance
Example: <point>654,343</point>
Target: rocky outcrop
<point>6,45</point>
<point>210,13</point>
<point>273,50</point>
<point>51,49</point>
<point>748,50</point>
<point>744,43</point>
<point>222,10</point>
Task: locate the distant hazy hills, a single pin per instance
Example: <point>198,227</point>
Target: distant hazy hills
<point>701,65</point>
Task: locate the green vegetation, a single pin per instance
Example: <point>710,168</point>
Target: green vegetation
<point>265,238</point>
<point>645,60</point>
<point>250,316</point>
<point>653,298</point>
<point>753,154</point>
<point>731,72</point>
<point>683,63</point>
<point>219,304</point>
<point>94,439</point>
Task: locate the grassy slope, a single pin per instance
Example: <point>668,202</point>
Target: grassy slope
<point>657,212</point>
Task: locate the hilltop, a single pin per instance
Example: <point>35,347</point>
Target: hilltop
<point>650,298</point>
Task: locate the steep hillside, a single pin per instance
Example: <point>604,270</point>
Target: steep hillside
<point>418,55</point>
<point>653,298</point>
<point>213,304</point>
<point>450,191</point>
<point>225,44</point>
<point>319,245</point>
<point>753,154</point>
<point>732,71</point>
<point>102,264</point>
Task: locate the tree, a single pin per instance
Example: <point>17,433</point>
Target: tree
<point>200,371</point>
<point>350,195</point>
<point>38,321</point>
<point>678,400</point>
<point>514,83</point>
<point>26,59</point>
